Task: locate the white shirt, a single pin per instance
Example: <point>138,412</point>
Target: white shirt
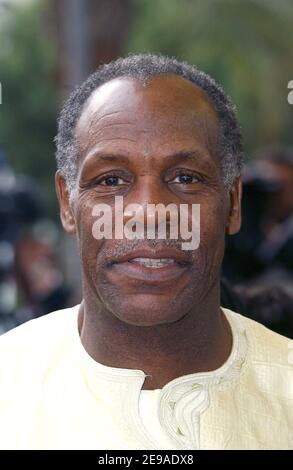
<point>53,395</point>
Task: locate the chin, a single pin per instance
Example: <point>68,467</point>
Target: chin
<point>145,311</point>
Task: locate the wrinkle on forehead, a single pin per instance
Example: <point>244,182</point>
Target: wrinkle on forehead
<point>127,108</point>
<point>108,100</point>
<point>125,94</point>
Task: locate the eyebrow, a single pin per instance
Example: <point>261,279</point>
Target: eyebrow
<point>111,158</point>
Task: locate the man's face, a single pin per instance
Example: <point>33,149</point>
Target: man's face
<point>153,142</point>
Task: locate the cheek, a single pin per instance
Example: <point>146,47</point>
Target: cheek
<point>213,225</point>
<point>89,247</point>
<point>212,233</point>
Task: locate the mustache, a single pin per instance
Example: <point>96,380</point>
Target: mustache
<point>116,248</point>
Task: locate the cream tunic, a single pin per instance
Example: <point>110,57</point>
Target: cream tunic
<point>53,395</point>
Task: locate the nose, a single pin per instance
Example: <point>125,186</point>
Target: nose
<point>151,204</point>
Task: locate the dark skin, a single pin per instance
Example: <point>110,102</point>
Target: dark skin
<point>151,142</point>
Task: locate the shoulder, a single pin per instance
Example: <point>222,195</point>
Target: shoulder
<point>34,360</point>
<point>264,344</point>
<point>269,361</point>
<point>36,340</point>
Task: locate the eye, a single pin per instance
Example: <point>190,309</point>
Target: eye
<point>185,179</point>
<point>111,181</point>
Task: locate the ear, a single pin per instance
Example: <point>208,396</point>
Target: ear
<point>234,217</point>
<point>66,212</point>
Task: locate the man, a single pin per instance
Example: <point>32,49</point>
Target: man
<point>149,360</point>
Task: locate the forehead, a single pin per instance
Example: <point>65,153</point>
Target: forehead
<point>166,110</point>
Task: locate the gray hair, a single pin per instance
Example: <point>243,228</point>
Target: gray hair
<point>143,67</point>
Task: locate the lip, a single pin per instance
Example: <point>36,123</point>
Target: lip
<point>160,253</point>
<point>123,265</point>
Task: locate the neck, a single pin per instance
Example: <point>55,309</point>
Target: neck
<point>201,341</point>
